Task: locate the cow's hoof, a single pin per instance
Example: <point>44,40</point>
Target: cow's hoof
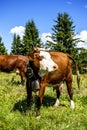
<point>38,117</point>
<point>72,105</point>
<point>56,103</point>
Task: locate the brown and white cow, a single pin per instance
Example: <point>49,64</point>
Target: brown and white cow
<point>15,63</point>
<point>61,74</point>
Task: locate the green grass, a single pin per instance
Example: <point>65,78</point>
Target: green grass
<point>14,114</point>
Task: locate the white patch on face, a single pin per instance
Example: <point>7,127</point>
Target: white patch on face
<point>72,104</point>
<point>47,63</point>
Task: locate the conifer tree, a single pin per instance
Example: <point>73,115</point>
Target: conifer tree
<point>63,35</point>
<point>2,47</point>
<point>16,45</point>
<point>31,37</point>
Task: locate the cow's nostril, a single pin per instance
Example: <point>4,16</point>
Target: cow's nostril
<point>55,67</point>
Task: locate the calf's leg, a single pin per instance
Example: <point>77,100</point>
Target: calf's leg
<point>58,92</point>
<point>29,91</point>
<point>70,92</point>
<point>22,79</point>
<point>40,98</point>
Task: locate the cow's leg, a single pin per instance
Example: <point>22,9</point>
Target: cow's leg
<point>40,98</point>
<point>70,91</point>
<point>22,79</point>
<point>58,96</point>
<point>58,92</point>
<point>29,91</point>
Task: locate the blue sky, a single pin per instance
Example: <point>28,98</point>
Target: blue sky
<point>15,13</point>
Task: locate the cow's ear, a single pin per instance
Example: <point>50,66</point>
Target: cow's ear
<point>36,55</point>
<point>36,49</point>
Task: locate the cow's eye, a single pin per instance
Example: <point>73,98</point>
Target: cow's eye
<point>35,55</point>
<point>41,57</point>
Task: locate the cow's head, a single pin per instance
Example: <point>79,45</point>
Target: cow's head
<point>42,61</point>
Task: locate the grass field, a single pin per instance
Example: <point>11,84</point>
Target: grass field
<point>14,114</point>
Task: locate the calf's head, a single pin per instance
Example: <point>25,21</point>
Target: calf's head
<point>42,61</point>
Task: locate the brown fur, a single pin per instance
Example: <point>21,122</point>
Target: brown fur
<point>64,73</point>
<point>15,63</point>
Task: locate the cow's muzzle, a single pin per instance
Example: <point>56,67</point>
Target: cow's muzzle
<point>55,67</point>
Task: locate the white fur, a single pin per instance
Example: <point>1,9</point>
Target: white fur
<point>72,104</point>
<point>56,103</point>
<point>47,63</point>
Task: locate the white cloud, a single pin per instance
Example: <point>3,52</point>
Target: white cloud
<point>18,30</point>
<point>46,37</point>
<point>83,37</point>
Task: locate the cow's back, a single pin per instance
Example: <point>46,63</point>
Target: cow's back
<point>12,62</point>
<point>61,59</point>
<point>7,62</point>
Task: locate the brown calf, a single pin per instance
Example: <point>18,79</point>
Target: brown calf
<point>61,74</point>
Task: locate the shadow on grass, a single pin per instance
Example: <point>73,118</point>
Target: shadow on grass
<point>48,101</point>
<point>22,104</point>
<point>13,82</point>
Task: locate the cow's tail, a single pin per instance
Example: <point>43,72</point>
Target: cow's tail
<point>77,71</point>
<point>78,76</point>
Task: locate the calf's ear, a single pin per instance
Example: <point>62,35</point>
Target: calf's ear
<point>36,49</point>
<point>36,55</point>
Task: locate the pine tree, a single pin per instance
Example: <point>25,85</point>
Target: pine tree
<point>2,47</point>
<point>16,45</point>
<point>31,37</point>
<point>63,35</point>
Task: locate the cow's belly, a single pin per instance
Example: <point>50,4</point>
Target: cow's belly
<point>54,78</point>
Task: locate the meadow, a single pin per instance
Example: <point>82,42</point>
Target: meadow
<point>14,114</point>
